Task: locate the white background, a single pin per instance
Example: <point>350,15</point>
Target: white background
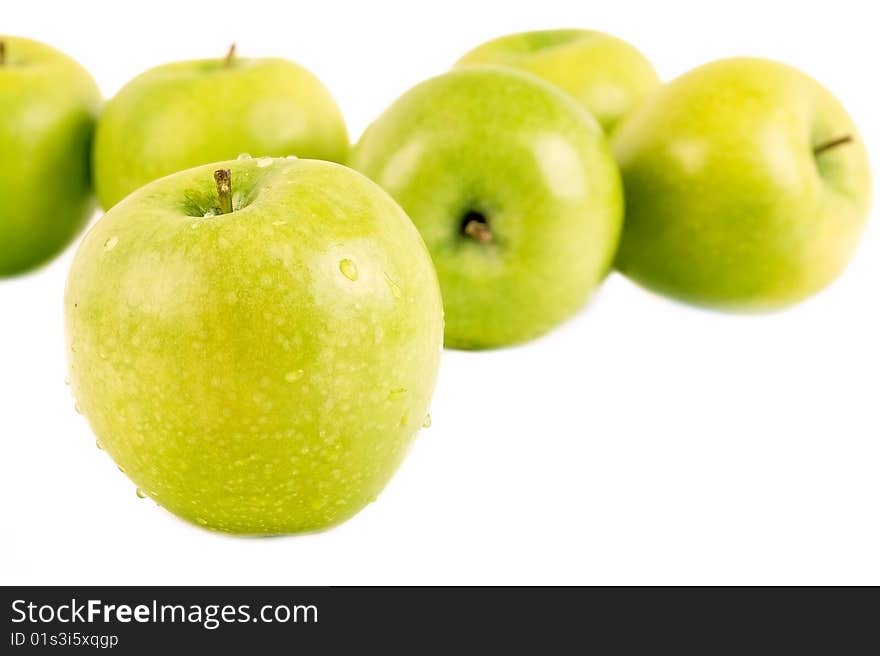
<point>642,442</point>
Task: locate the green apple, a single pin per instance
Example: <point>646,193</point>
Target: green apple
<point>514,190</point>
<point>747,186</point>
<point>256,359</point>
<point>184,114</point>
<point>606,75</point>
<point>48,106</point>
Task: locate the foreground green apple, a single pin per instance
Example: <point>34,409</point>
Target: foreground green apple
<point>257,361</point>
<point>605,74</point>
<point>514,189</point>
<point>747,187</point>
<point>180,115</point>
<point>48,106</point>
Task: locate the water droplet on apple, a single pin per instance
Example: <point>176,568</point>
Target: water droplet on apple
<point>291,157</point>
<point>209,213</point>
<point>263,162</point>
<point>427,422</point>
<point>397,392</point>
<point>110,244</point>
<point>279,223</point>
<point>293,376</point>
<point>98,444</point>
<point>194,225</point>
<point>120,468</point>
<point>348,269</point>
<point>140,493</point>
<point>67,380</point>
<point>102,355</point>
<point>77,408</point>
<point>243,156</point>
<point>201,521</point>
<point>395,290</point>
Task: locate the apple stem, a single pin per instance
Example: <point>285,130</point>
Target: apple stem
<point>2,52</point>
<point>478,231</point>
<point>223,178</point>
<point>230,55</point>
<point>829,145</point>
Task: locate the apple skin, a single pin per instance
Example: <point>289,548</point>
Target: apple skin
<point>184,114</point>
<point>727,204</point>
<point>259,372</point>
<point>605,74</point>
<point>534,164</point>
<point>48,107</point>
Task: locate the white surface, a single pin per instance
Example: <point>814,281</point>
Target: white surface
<point>643,442</point>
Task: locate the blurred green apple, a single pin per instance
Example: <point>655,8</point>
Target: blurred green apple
<point>605,74</point>
<point>180,115</point>
<point>514,190</point>
<point>747,186</point>
<point>257,360</point>
<point>48,106</point>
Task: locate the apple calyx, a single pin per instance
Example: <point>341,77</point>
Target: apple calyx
<point>223,179</point>
<point>475,226</point>
<point>230,55</point>
<point>830,145</point>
